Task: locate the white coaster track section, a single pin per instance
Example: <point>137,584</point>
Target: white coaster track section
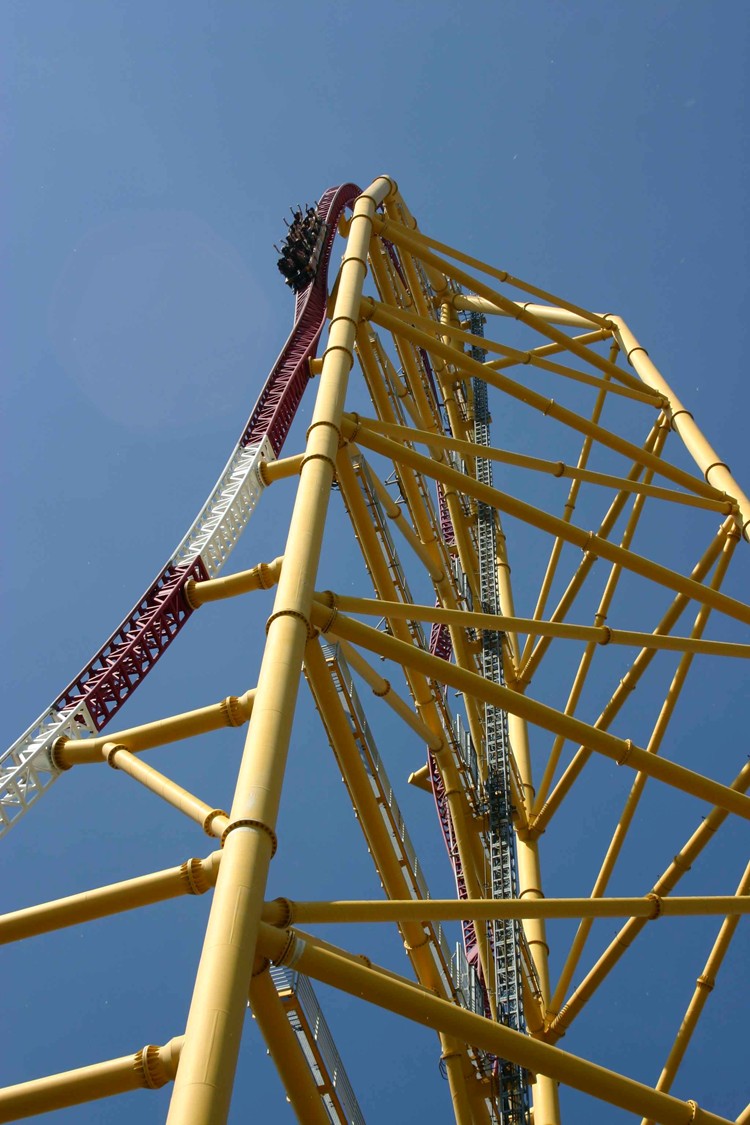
<point>26,767</point>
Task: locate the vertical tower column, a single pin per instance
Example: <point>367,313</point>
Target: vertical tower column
<point>545,1096</point>
<point>204,1080</point>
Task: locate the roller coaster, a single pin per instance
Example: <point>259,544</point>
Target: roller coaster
<point>518,726</point>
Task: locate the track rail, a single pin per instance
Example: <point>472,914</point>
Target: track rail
<point>128,655</point>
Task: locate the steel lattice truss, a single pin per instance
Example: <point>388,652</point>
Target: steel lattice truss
<point>543,529</point>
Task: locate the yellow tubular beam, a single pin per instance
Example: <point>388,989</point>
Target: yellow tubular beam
<point>535,517</point>
<point>631,804</point>
<point>546,406</point>
<point>372,554</point>
<point>703,988</point>
<point>384,583</point>
<point>269,471</point>
<point>538,464</point>
<point>213,821</point>
<point>456,391</point>
<point>385,586</point>
<point>260,577</point>
<point>383,690</point>
<point>409,481</point>
<point>645,657</point>
<point>555,349</point>
<point>629,681</point>
<point>744,1117</point>
<point>417,244</point>
<point>600,634</point>
<point>234,711</point>
<point>492,909</point>
<point>468,302</point>
<point>704,455</point>
<point>422,300</point>
<point>400,996</point>
<point>501,275</point>
<point>506,600</point>
<point>286,1052</point>
<point>395,513</point>
<point>421,947</point>
<point>397,209</point>
<point>460,423</point>
<point>426,409</point>
<point>420,778</point>
<point>398,388</point>
<point>627,934</point>
<point>418,685</point>
<point>149,1069</point>
<point>194,877</point>
<point>545,1097</point>
<point>455,1061</point>
<point>587,657</point>
<point>452,331</point>
<point>203,1087</point>
<point>368,810</point>
<point>567,515</point>
<point>622,751</point>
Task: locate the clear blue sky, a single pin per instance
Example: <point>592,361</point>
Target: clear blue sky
<point>600,151</point>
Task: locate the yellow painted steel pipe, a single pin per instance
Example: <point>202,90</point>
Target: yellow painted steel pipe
<point>587,541</point>
<point>412,242</point>
<point>702,452</point>
<point>194,877</point>
<point>641,663</point>
<point>454,1061</point>
<point>469,302</point>
<point>545,1095</point>
<point>558,303</point>
<point>619,750</point>
<point>234,711</point>
<point>423,519</point>
<point>260,577</point>
<point>427,409</point>
<point>650,907</point>
<point>385,583</point>
<point>601,634</point>
<point>213,821</point>
<point>397,209</point>
<point>203,1087</point>
<point>654,443</point>
<point>421,690</point>
<point>547,406</point>
<point>631,804</point>
<point>270,471</point>
<point>703,988</point>
<point>587,657</point>
<point>630,680</point>
<point>383,689</point>
<point>285,1050</point>
<point>555,349</point>
<point>412,485</point>
<point>539,464</point>
<point>420,942</point>
<point>149,1069</point>
<point>454,332</point>
<point>368,810</point>
<point>395,513</point>
<point>627,934</point>
<point>400,996</point>
<point>420,779</point>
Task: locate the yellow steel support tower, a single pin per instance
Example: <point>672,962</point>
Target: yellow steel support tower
<point>619,562</point>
